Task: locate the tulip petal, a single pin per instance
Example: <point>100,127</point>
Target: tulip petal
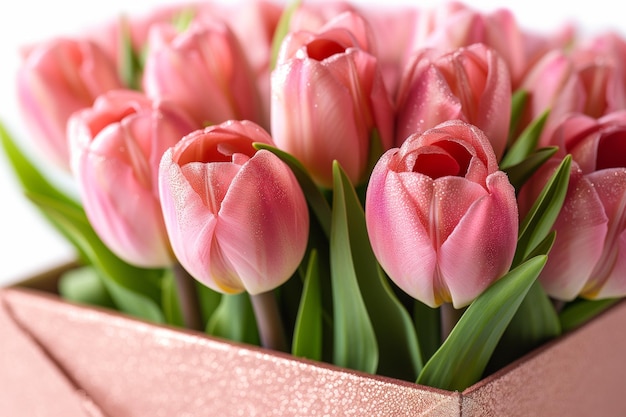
<point>615,280</point>
<point>245,230</point>
<point>397,222</point>
<point>488,227</point>
<point>125,224</point>
<point>428,102</point>
<point>581,230</point>
<point>204,70</point>
<point>190,221</point>
<point>311,119</point>
<point>608,278</point>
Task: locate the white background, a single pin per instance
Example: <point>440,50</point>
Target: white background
<point>27,244</point>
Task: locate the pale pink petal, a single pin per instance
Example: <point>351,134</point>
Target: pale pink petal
<point>608,276</point>
<point>615,285</point>
<point>127,218</point>
<point>397,209</point>
<point>481,247</point>
<point>581,231</point>
<point>427,102</point>
<point>309,107</point>
<point>264,248</point>
<point>189,219</point>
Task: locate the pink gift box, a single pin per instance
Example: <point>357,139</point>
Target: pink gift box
<point>61,359</point>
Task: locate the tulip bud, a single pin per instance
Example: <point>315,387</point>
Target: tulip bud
<point>254,23</point>
<point>588,257</point>
<point>56,79</point>
<point>328,96</point>
<point>550,85</point>
<point>442,219</point>
<point>603,72</point>
<point>116,146</point>
<point>470,84</point>
<point>588,81</point>
<point>237,218</point>
<point>453,25</point>
<point>203,70</point>
<point>393,29</point>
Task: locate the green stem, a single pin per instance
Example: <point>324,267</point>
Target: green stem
<point>269,321</point>
<point>449,317</point>
<point>188,298</point>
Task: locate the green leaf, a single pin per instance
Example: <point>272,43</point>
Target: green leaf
<point>526,143</point>
<point>579,312</point>
<point>318,203</point>
<point>520,173</point>
<point>400,355</point>
<point>427,323</point>
<point>234,320</point>
<point>535,322</point>
<point>136,291</point>
<point>133,303</point>
<point>539,221</point>
<point>28,175</point>
<point>355,344</point>
<point>307,337</point>
<point>282,29</point>
<point>518,103</point>
<point>75,224</point>
<point>84,285</point>
<point>463,357</point>
<point>209,300</point>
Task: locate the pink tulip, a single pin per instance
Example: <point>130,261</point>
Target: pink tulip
<point>111,34</point>
<point>470,84</point>
<point>602,73</point>
<point>254,23</point>
<point>587,81</point>
<point>589,255</point>
<point>204,70</point>
<point>441,218</point>
<point>57,78</point>
<point>393,28</point>
<point>312,16</point>
<point>550,85</point>
<point>237,219</point>
<point>328,96</point>
<point>116,146</point>
<point>453,25</point>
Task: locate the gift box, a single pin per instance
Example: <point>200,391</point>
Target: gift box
<point>64,359</point>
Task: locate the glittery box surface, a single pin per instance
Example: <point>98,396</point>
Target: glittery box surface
<point>60,359</point>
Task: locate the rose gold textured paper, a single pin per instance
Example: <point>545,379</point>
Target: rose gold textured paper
<point>30,384</point>
<point>129,368</point>
<point>582,374</point>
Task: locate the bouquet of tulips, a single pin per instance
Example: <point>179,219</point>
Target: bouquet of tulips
<point>421,193</point>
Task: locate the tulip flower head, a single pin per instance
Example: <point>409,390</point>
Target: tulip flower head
<point>115,147</point>
<point>441,218</point>
<point>56,79</point>
<point>328,96</point>
<point>204,70</point>
<point>236,217</point>
<point>588,257</point>
<point>452,25</point>
<point>471,84</point>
